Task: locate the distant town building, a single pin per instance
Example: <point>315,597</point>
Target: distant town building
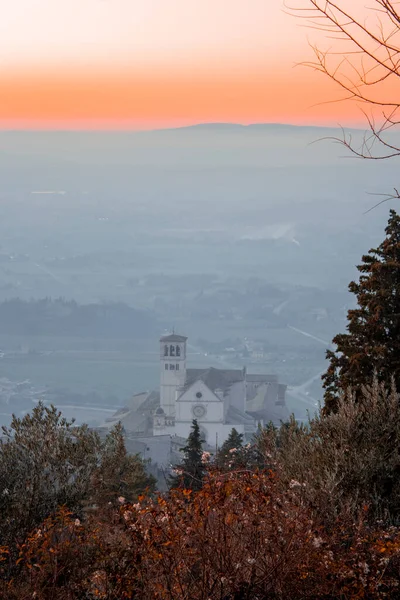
<point>219,399</point>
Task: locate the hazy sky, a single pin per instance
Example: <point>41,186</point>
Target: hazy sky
<point>150,63</point>
<point>143,33</point>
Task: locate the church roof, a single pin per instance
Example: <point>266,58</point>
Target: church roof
<point>215,379</point>
<point>267,402</point>
<point>136,416</point>
<point>151,402</point>
<point>235,416</point>
<point>261,378</point>
<point>173,337</point>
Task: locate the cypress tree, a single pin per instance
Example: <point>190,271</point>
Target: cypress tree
<point>372,344</point>
<point>233,443</point>
<point>190,472</point>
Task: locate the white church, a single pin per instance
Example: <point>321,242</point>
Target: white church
<point>219,399</point>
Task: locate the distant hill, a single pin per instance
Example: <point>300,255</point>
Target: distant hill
<point>68,318</point>
<point>256,127</point>
<point>55,156</point>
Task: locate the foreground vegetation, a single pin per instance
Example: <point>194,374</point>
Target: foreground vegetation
<point>302,512</point>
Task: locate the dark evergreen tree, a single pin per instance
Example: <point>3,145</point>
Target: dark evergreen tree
<point>372,344</point>
<point>230,450</point>
<point>190,472</point>
<point>120,473</point>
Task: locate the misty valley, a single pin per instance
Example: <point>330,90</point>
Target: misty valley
<point>244,239</point>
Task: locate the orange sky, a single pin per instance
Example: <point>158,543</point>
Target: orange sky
<point>143,101</point>
<point>158,63</point>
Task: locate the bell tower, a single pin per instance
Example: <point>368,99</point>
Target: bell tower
<point>172,370</point>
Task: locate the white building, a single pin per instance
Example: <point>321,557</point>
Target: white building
<point>215,398</point>
<point>173,370</point>
<point>219,399</point>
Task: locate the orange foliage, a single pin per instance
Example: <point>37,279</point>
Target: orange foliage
<point>242,536</point>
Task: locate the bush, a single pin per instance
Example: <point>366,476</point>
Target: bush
<point>244,535</point>
<point>307,511</point>
<point>348,460</point>
<point>47,462</point>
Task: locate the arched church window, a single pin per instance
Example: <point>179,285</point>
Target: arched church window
<point>165,350</point>
<point>178,351</point>
<point>172,350</point>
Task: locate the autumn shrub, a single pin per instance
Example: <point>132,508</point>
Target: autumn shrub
<point>44,463</point>
<point>306,511</point>
<point>347,460</point>
<point>47,462</point>
<point>66,558</point>
<point>242,536</point>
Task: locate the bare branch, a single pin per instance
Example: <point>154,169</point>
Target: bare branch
<point>365,65</point>
<point>385,198</point>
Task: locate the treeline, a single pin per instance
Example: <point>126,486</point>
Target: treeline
<point>61,317</point>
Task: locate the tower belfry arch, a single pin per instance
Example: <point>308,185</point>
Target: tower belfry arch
<point>172,370</point>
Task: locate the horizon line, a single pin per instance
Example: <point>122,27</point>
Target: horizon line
<point>202,124</point>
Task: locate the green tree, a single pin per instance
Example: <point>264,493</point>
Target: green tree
<point>120,474</point>
<point>46,462</point>
<point>190,472</point>
<point>372,345</point>
<point>230,451</point>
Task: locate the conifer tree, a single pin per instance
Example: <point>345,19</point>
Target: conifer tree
<point>230,449</point>
<point>372,344</point>
<point>190,472</point>
<point>120,474</point>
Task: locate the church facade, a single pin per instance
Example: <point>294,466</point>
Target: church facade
<point>219,399</point>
